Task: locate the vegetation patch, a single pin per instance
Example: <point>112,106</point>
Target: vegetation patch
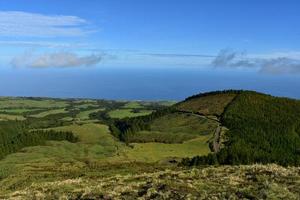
<point>153,151</point>
<point>133,104</point>
<point>98,149</point>
<point>225,182</point>
<point>7,117</point>
<point>17,110</point>
<point>10,102</point>
<point>49,112</point>
<point>85,115</point>
<point>174,128</point>
<point>15,135</point>
<point>208,103</point>
<point>123,113</point>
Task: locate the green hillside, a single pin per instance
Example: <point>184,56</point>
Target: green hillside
<point>15,136</point>
<point>262,129</point>
<point>138,181</point>
<point>174,128</point>
<point>100,149</point>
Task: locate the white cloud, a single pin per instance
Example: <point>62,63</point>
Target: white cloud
<point>55,60</point>
<point>41,44</point>
<point>229,58</point>
<point>280,65</point>
<point>14,23</point>
<point>275,63</point>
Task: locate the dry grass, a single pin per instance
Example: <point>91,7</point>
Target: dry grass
<point>207,105</point>
<point>225,182</point>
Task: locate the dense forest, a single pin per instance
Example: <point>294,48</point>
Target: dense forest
<point>15,135</point>
<point>262,129</point>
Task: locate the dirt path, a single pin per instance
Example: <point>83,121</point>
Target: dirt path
<point>216,142</point>
<point>217,133</point>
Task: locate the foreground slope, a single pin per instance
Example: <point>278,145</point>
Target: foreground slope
<point>146,182</point>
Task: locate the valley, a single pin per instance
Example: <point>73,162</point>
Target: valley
<point>103,149</point>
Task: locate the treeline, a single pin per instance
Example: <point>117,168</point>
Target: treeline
<point>55,135</point>
<point>53,120</point>
<point>262,129</point>
<point>14,135</point>
<point>126,128</point>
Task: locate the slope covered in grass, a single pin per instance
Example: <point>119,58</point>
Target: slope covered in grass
<point>128,112</point>
<point>146,182</point>
<point>85,115</point>
<point>15,136</point>
<point>154,151</point>
<point>94,143</point>
<point>137,157</point>
<point>8,117</point>
<point>49,112</point>
<point>174,128</point>
<point>212,103</point>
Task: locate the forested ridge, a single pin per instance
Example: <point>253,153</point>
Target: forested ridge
<point>262,129</point>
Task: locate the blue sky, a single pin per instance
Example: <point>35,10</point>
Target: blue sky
<point>259,37</point>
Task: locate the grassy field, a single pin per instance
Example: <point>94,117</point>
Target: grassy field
<point>96,146</point>
<point>49,112</point>
<point>85,105</point>
<point>84,115</point>
<point>89,133</point>
<point>30,103</point>
<point>17,110</point>
<point>208,105</point>
<point>138,181</point>
<point>95,143</point>
<point>175,128</point>
<point>184,123</point>
<point>122,113</point>
<point>133,105</point>
<point>5,117</point>
<point>153,152</point>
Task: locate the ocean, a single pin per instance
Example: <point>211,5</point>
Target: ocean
<point>122,83</point>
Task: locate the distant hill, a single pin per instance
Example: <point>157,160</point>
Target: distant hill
<point>262,128</point>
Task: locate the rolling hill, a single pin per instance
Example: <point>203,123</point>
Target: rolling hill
<point>100,149</point>
<point>262,129</point>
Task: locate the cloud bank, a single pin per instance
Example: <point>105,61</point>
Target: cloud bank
<point>55,60</point>
<point>172,55</point>
<point>229,58</point>
<point>271,65</point>
<point>47,44</point>
<point>14,23</point>
<point>281,65</point>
